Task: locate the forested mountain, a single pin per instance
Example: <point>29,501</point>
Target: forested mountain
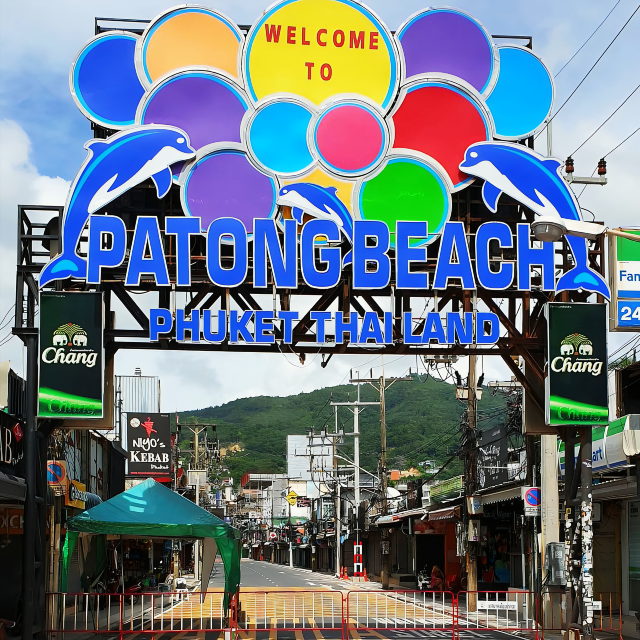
<point>423,418</point>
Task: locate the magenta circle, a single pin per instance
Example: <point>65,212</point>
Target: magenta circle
<point>350,138</point>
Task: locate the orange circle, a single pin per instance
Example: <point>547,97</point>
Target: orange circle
<point>190,38</point>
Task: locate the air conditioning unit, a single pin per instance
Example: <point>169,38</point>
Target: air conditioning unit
<point>426,497</point>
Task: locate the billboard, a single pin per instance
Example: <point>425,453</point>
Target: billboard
<point>576,390</point>
<point>624,270</point>
<point>149,444</point>
<point>303,145</point>
<point>71,381</point>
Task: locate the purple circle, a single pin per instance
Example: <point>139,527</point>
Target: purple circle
<point>225,184</point>
<point>448,41</point>
<point>204,105</point>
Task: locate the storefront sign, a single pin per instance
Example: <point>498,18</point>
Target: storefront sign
<point>309,150</point>
<point>77,495</point>
<point>624,267</point>
<point>149,440</point>
<point>71,359</point>
<point>576,390</point>
<point>493,456</point>
<point>11,443</point>
<point>303,501</point>
<point>11,521</point>
<point>532,499</point>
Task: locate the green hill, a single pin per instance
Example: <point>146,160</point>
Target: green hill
<point>423,419</point>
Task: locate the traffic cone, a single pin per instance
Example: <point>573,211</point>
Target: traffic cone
<point>365,576</point>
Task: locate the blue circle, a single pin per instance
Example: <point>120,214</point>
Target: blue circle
<point>533,497</point>
<point>523,96</point>
<point>278,137</point>
<point>104,81</point>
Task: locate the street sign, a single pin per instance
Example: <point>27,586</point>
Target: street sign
<point>624,270</point>
<point>292,498</point>
<point>532,500</point>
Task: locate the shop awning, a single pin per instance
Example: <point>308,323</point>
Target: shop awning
<point>502,496</point>
<point>12,488</point>
<point>450,513</point>
<point>151,510</point>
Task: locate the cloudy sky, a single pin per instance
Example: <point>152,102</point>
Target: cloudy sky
<point>42,135</point>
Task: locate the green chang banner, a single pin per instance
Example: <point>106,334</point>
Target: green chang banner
<point>576,383</point>
<point>71,359</point>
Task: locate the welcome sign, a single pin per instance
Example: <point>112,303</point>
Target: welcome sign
<point>318,143</point>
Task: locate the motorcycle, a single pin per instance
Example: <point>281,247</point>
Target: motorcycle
<point>131,591</point>
<point>424,580</point>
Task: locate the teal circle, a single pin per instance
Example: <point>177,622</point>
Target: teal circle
<point>278,137</point>
<point>523,96</point>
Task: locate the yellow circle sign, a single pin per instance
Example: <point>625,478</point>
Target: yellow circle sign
<point>321,48</point>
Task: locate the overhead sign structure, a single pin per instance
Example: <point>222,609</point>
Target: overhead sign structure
<point>149,444</point>
<point>576,390</point>
<point>71,355</point>
<point>624,270</point>
<point>304,146</point>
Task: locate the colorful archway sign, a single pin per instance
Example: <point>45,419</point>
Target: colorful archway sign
<point>523,96</point>
<point>350,137</point>
<point>320,49</point>
<point>449,41</point>
<point>408,186</point>
<point>188,36</point>
<point>441,118</point>
<point>276,135</point>
<point>206,104</point>
<point>104,82</point>
<point>223,183</point>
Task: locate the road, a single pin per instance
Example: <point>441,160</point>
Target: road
<point>258,574</point>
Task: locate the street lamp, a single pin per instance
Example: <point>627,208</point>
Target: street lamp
<point>552,229</point>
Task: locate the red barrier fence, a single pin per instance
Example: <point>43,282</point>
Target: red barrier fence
<point>607,617</point>
<point>336,614</point>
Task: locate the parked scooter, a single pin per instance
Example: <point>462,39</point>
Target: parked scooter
<point>424,580</point>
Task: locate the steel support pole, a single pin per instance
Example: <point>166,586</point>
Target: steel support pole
<point>31,572</point>
<point>471,471</point>
<point>386,543</point>
<point>586,522</point>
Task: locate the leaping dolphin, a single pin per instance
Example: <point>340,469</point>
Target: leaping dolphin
<point>535,181</point>
<point>112,167</point>
<point>319,202</point>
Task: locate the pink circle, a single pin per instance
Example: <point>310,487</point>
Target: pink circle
<point>349,138</point>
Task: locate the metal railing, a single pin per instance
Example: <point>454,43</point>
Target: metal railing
<point>109,613</point>
<point>402,610</point>
<point>607,618</point>
<point>498,610</point>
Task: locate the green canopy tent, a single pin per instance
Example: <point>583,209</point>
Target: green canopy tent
<point>151,510</point>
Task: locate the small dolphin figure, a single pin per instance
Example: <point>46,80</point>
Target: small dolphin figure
<point>319,202</point>
<point>112,167</point>
<point>536,182</point>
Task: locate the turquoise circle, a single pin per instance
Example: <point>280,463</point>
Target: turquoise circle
<point>523,96</point>
<point>278,137</point>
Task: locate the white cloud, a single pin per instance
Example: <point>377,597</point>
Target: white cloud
<point>21,184</point>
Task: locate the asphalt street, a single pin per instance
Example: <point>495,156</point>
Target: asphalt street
<point>257,574</point>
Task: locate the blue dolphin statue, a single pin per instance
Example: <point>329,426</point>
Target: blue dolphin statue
<point>319,202</point>
<point>112,167</point>
<point>535,181</point>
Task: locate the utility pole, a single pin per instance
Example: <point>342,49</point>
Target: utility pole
<point>356,408</point>
<point>381,385</point>
<point>471,472</point>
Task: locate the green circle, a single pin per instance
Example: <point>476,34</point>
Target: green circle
<point>406,190</point>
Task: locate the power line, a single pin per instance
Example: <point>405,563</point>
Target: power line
<point>587,40</point>
<point>590,70</point>
<point>608,154</point>
<point>607,120</point>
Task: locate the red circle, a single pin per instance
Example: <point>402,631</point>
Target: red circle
<point>349,138</point>
<point>440,122</point>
